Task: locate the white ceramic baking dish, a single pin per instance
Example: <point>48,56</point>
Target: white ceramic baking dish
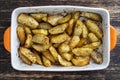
<point>105,49</point>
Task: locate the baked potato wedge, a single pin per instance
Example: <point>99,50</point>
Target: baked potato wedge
<point>27,20</point>
<point>97,57</point>
<point>38,58</point>
<point>53,19</point>
<point>93,27</point>
<point>38,16</point>
<point>64,48</point>
<point>40,48</point>
<point>74,41</point>
<point>21,34</point>
<point>28,54</point>
<point>27,30</point>
<point>76,15</point>
<point>58,29</point>
<point>54,53</point>
<point>81,61</point>
<point>84,31</point>
<point>82,42</point>
<point>24,59</point>
<point>63,62</point>
<point>67,56</point>
<point>91,15</point>
<point>59,38</point>
<point>69,29</point>
<point>46,61</point>
<point>28,41</point>
<point>82,51</point>
<point>48,55</point>
<point>40,39</point>
<point>64,19</point>
<point>93,37</point>
<point>93,45</point>
<point>40,31</point>
<point>44,25</point>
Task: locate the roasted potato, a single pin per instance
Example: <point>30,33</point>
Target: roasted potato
<point>27,30</point>
<point>67,56</point>
<point>91,15</point>
<point>76,15</point>
<point>45,19</point>
<point>28,54</point>
<point>93,45</point>
<point>44,25</point>
<point>28,21</point>
<point>68,40</point>
<point>40,31</point>
<point>21,34</point>
<point>81,61</point>
<point>82,42</point>
<point>92,37</point>
<point>82,51</point>
<point>58,29</point>
<point>40,38</point>
<point>59,38</point>
<point>40,48</point>
<point>69,29</point>
<point>54,53</point>
<point>56,45</point>
<point>84,32</point>
<point>24,59</point>
<point>63,62</point>
<point>38,16</point>
<point>38,58</point>
<point>48,55</point>
<point>53,19</point>
<point>97,57</point>
<point>46,62</point>
<point>93,27</point>
<point>28,41</point>
<point>74,41</point>
<point>64,19</point>
<point>78,28</point>
<point>64,48</point>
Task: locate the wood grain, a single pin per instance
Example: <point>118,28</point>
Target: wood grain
<point>110,73</point>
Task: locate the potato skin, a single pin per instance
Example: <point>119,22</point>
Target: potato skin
<point>81,61</point>
<point>27,30</point>
<point>93,27</point>
<point>44,25</point>
<point>82,42</point>
<point>58,29</point>
<point>21,34</point>
<point>28,21</point>
<point>82,51</point>
<point>76,15</point>
<point>59,38</point>
<point>67,56</point>
<point>84,31</point>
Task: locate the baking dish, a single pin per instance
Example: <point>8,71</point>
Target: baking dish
<point>105,49</point>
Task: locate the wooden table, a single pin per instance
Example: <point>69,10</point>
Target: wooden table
<point>7,72</point>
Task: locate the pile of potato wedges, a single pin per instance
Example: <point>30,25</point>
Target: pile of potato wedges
<point>56,39</point>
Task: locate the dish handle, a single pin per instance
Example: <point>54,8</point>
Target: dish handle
<point>113,38</point>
